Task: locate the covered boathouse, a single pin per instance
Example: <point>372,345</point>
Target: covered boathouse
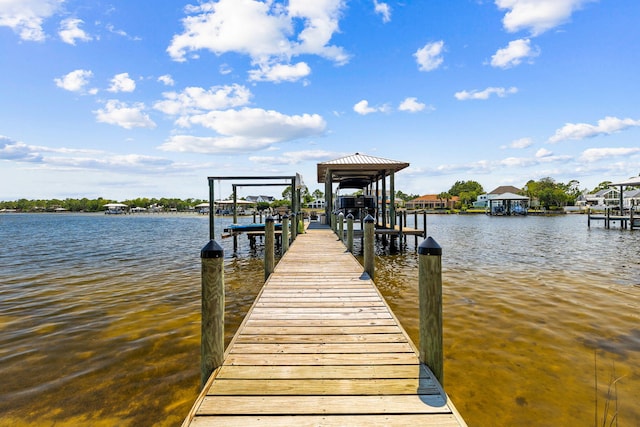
<point>360,171</point>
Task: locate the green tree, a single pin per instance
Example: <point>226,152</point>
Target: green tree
<point>466,186</point>
<point>602,186</point>
<point>467,191</point>
<point>446,197</point>
<point>317,194</point>
<point>406,197</point>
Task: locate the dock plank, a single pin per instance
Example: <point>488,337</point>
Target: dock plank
<point>320,346</point>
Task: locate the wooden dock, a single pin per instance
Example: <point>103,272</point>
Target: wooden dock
<point>631,221</point>
<point>320,346</point>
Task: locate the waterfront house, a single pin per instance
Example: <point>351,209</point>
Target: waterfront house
<point>260,199</point>
<point>503,200</point>
<point>431,202</point>
<point>483,200</point>
<point>316,204</point>
<point>607,197</point>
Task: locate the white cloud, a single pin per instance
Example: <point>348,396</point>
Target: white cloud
<point>543,152</point>
<point>121,114</point>
<point>26,17</point>
<point>75,81</point>
<point>62,158</point>
<point>382,9</point>
<point>213,144</point>
<point>485,94</point>
<point>411,105</point>
<point>595,154</point>
<point>70,31</point>
<point>166,79</point>
<point>264,31</point>
<point>17,151</point>
<point>293,157</point>
<point>429,57</point>
<point>363,108</point>
<point>280,72</point>
<point>537,15</point>
<point>245,130</point>
<point>521,143</point>
<point>605,126</point>
<point>257,123</point>
<point>513,54</point>
<point>196,100</point>
<point>122,83</point>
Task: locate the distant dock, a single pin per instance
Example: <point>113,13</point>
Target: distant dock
<point>630,221</point>
<point>320,346</point>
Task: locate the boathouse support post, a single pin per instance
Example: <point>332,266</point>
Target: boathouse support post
<point>285,233</point>
<point>430,295</point>
<point>269,246</point>
<point>369,258</point>
<point>392,200</point>
<point>333,221</point>
<point>212,324</point>
<point>341,226</point>
<point>350,232</point>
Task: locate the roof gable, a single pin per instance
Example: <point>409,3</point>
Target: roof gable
<point>506,189</point>
<point>359,166</point>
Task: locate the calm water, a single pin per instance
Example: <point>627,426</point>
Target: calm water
<point>99,317</point>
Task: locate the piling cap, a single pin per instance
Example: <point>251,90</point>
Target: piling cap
<point>269,219</point>
<point>369,219</point>
<point>349,215</point>
<point>429,247</point>
<point>212,250</point>
<point>285,216</point>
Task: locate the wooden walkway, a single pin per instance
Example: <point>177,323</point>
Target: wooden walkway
<point>321,347</point>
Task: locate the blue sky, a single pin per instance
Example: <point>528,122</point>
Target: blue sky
<point>122,99</point>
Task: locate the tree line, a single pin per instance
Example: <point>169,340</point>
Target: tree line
<point>546,191</point>
<point>96,205</point>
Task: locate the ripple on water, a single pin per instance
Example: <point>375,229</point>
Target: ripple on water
<point>98,311</point>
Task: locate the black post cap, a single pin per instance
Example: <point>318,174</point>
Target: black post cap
<point>349,215</point>
<point>269,219</point>
<point>212,250</point>
<point>429,247</point>
<point>369,219</point>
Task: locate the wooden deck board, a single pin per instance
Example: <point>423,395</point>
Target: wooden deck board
<point>320,346</point>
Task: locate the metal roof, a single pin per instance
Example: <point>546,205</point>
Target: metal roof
<point>631,181</point>
<point>359,166</point>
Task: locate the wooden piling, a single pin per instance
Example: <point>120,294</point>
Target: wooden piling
<point>285,234</point>
<point>341,226</point>
<point>212,324</point>
<point>350,232</point>
<point>269,246</point>
<point>430,295</point>
<point>369,255</point>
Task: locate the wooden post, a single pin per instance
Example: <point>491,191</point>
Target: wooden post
<point>285,233</point>
<point>341,226</point>
<point>269,246</point>
<point>430,294</point>
<point>415,225</point>
<point>350,232</point>
<point>588,217</point>
<point>212,324</point>
<point>333,221</point>
<point>424,225</point>
<point>400,226</point>
<point>369,256</point>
